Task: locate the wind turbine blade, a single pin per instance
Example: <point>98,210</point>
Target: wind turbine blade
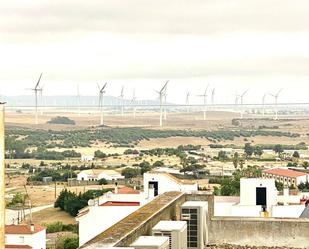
<point>98,86</point>
<point>102,89</point>
<point>244,93</point>
<point>163,88</point>
<point>279,92</point>
<point>37,84</point>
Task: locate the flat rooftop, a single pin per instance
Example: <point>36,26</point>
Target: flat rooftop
<point>170,225</point>
<point>115,233</point>
<point>150,241</point>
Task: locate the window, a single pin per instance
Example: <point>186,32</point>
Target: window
<point>21,239</point>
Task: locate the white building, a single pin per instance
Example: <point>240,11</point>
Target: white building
<point>97,174</point>
<point>25,237</point>
<point>258,195</point>
<point>175,230</point>
<point>286,176</point>
<point>106,211</point>
<point>156,183</point>
<point>87,158</point>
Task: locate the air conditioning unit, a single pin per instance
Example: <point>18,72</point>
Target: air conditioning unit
<point>151,242</point>
<point>176,231</point>
<point>195,213</point>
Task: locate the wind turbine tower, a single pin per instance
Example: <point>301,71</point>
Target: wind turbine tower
<point>122,100</point>
<point>36,90</point>
<point>213,93</point>
<point>78,100</point>
<point>133,101</point>
<point>101,103</point>
<point>165,96</point>
<point>205,102</point>
<point>242,103</point>
<point>276,103</point>
<point>188,102</point>
<point>263,104</point>
<point>161,96</point>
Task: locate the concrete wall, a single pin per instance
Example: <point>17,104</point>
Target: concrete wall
<point>259,231</point>
<point>171,212</point>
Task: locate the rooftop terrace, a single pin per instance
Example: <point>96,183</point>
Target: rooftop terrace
<point>128,225</point>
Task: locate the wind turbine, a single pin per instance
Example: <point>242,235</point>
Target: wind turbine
<point>122,101</point>
<point>133,101</point>
<point>165,95</point>
<point>101,96</point>
<point>161,96</point>
<point>276,103</point>
<point>213,93</point>
<point>36,90</point>
<point>188,101</point>
<point>242,103</point>
<point>205,101</point>
<point>263,104</point>
<point>78,100</point>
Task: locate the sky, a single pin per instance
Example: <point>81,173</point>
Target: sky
<point>232,45</point>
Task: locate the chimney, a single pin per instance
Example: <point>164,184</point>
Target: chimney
<point>2,177</point>
<point>32,228</point>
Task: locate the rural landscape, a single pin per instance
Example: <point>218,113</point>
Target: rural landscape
<point>216,152</point>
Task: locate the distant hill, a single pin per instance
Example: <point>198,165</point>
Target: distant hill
<point>68,100</point>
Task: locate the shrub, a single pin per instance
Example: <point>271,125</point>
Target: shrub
<point>61,120</point>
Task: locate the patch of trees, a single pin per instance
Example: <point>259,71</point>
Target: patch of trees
<point>231,186</point>
<point>304,187</point>
<point>61,120</point>
<point>128,136</point>
<point>57,175</point>
<point>58,226</point>
<point>70,202</point>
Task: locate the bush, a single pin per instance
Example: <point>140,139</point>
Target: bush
<point>61,120</point>
<point>103,181</point>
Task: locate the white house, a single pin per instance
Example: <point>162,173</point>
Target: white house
<point>286,176</point>
<point>156,183</point>
<point>25,237</point>
<point>87,158</point>
<point>106,211</point>
<point>258,195</point>
<point>97,174</point>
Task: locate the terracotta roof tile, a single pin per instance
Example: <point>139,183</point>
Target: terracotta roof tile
<point>17,247</point>
<point>284,172</point>
<point>22,229</point>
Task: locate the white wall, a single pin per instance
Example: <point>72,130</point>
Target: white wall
<point>301,179</point>
<point>36,241</point>
<point>82,175</point>
<point>246,211</point>
<point>110,177</point>
<point>166,184</point>
<point>223,208</point>
<point>248,191</point>
<point>290,211</point>
<point>99,219</point>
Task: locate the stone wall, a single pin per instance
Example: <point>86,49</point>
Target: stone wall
<point>260,231</point>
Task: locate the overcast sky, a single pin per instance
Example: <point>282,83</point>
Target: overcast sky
<point>233,45</point>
